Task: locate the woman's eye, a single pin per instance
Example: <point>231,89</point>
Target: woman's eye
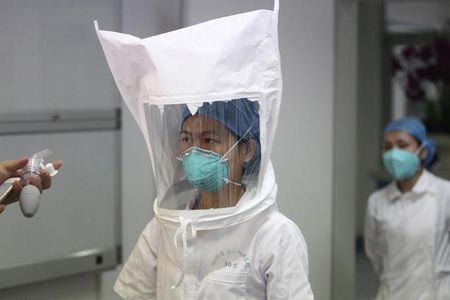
<point>185,139</point>
<point>210,141</point>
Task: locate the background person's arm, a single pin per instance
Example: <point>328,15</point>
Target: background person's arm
<point>371,244</point>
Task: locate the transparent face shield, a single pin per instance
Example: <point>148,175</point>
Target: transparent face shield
<point>205,156</point>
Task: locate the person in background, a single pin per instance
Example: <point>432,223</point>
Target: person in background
<point>11,168</point>
<point>407,222</point>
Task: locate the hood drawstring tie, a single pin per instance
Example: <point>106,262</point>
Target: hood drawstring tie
<point>181,232</point>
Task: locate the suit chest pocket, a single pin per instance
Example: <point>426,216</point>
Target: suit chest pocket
<point>223,285</point>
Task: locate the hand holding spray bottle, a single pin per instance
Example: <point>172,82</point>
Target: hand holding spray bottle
<point>30,195</point>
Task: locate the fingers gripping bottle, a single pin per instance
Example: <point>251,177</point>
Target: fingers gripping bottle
<point>30,195</point>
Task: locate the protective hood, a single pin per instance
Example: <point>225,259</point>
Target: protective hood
<point>206,98</point>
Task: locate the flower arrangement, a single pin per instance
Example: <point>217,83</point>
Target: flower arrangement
<point>423,71</point>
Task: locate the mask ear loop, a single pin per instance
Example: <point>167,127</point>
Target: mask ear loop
<point>417,152</point>
<point>421,147</point>
<point>229,150</point>
<point>235,144</point>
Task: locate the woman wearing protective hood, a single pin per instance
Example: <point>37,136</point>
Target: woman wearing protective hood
<point>206,98</point>
<point>407,222</point>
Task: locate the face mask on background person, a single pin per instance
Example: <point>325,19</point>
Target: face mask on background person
<point>401,164</point>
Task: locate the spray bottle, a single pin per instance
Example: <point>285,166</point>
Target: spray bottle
<point>30,196</point>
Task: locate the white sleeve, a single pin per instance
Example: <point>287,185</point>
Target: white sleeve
<point>371,239</point>
<point>286,265</point>
<point>137,280</point>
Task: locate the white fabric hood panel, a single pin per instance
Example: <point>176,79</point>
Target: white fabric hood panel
<point>223,59</point>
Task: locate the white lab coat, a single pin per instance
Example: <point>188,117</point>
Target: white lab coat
<point>407,239</point>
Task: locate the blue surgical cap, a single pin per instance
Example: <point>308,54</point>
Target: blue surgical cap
<point>417,129</point>
<point>239,116</point>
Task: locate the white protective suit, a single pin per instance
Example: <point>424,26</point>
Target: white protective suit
<point>407,240</point>
<point>245,251</point>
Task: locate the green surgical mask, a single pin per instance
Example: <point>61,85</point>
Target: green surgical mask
<point>401,164</point>
<point>205,170</point>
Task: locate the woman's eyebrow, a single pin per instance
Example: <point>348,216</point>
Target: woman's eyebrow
<point>184,131</point>
<point>212,132</point>
<point>401,141</point>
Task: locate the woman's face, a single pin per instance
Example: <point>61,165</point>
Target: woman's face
<point>208,134</point>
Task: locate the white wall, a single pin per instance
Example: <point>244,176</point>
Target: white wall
<point>34,79</point>
<point>345,150</point>
<point>370,100</point>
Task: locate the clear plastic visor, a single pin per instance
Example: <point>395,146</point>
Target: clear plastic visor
<point>205,156</point>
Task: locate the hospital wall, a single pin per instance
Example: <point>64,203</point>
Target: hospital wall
<point>45,74</point>
<point>304,150</point>
<point>370,110</point>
